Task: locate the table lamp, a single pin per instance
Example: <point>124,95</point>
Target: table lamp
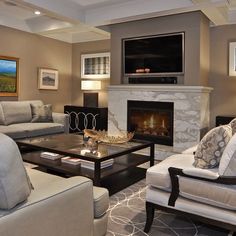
<point>91,98</point>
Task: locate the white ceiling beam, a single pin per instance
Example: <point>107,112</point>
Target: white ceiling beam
<point>10,21</point>
<point>61,9</point>
<point>116,12</point>
<point>215,10</point>
<point>45,23</point>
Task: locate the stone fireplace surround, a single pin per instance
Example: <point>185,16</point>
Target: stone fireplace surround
<point>191,111</point>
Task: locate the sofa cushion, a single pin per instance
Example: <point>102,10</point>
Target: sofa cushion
<point>14,183</point>
<point>100,201</point>
<point>14,131</point>
<point>227,165</point>
<point>27,130</point>
<point>211,147</point>
<point>190,150</point>
<point>35,102</point>
<point>16,112</point>
<point>39,129</point>
<point>219,195</point>
<point>41,179</point>
<point>158,175</point>
<point>41,113</point>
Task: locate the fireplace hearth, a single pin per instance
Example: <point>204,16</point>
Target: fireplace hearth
<point>151,121</point>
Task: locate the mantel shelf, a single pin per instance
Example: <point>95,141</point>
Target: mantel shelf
<point>161,88</point>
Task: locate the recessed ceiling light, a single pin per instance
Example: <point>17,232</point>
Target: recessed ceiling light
<point>37,12</point>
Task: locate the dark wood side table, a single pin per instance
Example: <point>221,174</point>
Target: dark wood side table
<point>86,118</point>
<point>223,120</point>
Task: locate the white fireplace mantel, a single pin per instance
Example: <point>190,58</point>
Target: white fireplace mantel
<point>191,108</point>
<point>160,88</point>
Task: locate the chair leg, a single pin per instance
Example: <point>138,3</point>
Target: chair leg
<point>149,216</point>
<point>232,233</point>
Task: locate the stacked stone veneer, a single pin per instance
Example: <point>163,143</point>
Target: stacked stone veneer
<point>191,108</point>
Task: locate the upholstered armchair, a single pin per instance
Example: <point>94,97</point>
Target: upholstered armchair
<point>54,206</point>
<point>199,183</point>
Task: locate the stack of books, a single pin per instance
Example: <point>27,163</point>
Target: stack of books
<point>71,160</point>
<point>50,155</point>
<point>90,165</point>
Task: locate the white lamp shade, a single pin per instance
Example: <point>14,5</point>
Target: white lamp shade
<point>90,85</point>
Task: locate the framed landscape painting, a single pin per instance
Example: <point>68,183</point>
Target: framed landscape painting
<point>48,79</point>
<point>9,73</point>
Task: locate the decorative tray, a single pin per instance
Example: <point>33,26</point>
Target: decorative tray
<point>102,136</point>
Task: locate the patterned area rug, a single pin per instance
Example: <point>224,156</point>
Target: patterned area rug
<point>127,217</point>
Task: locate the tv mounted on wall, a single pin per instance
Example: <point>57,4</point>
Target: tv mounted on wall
<point>154,55</point>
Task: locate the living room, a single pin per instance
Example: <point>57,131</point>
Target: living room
<point>206,65</point>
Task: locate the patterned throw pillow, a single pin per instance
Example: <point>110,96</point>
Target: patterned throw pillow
<point>227,165</point>
<point>41,113</point>
<point>211,147</point>
<point>233,126</point>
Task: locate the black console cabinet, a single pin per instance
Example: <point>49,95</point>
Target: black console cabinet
<point>223,120</point>
<point>86,118</point>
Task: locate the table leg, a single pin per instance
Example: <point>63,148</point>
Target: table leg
<point>97,174</point>
<point>152,154</point>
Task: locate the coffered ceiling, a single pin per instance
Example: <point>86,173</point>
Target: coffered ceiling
<point>87,20</point>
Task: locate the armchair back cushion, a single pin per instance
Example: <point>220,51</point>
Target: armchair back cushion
<point>211,147</point>
<point>16,112</point>
<point>228,160</point>
<point>14,182</point>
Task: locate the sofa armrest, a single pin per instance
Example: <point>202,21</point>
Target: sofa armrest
<point>63,208</point>
<point>61,118</point>
<point>176,172</point>
<point>203,173</point>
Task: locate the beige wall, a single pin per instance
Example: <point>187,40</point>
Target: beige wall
<point>195,42</point>
<point>36,51</point>
<point>84,48</point>
<point>223,98</point>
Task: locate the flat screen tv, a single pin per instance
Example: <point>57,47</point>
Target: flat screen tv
<point>154,55</point>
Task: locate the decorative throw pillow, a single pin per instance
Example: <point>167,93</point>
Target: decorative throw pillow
<point>15,186</point>
<point>41,113</point>
<point>233,126</point>
<point>227,165</point>
<point>211,147</point>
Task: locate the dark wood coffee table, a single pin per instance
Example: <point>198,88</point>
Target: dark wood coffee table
<point>121,174</point>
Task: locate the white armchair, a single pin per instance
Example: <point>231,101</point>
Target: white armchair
<point>56,206</point>
<point>207,195</point>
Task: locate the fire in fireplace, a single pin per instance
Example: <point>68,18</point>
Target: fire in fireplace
<point>151,121</point>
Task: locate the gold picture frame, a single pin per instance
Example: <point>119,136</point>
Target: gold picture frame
<point>9,76</point>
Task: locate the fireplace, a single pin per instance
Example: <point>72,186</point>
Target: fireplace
<point>151,121</point>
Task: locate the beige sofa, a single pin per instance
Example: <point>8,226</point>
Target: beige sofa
<point>16,120</point>
<point>206,194</point>
<point>55,207</point>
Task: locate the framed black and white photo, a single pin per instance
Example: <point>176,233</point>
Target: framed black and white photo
<point>95,66</point>
<point>232,59</point>
<point>48,79</point>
